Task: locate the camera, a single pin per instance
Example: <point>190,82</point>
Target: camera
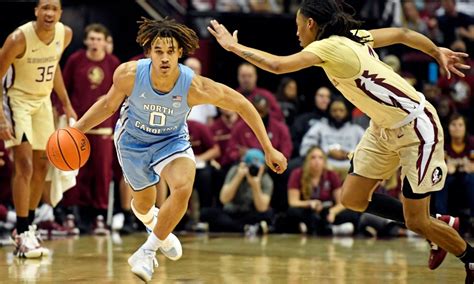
<point>253,169</point>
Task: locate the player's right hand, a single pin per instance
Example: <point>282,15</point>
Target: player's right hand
<point>222,35</point>
<point>6,131</point>
<point>276,161</point>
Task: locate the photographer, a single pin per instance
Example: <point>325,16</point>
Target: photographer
<point>246,197</point>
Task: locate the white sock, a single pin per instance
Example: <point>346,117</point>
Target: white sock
<point>152,243</point>
<point>148,219</point>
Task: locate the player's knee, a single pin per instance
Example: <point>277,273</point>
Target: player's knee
<point>352,202</point>
<point>182,190</point>
<point>23,167</point>
<point>417,224</point>
<point>142,206</point>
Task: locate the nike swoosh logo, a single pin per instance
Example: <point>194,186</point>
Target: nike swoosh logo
<point>35,50</point>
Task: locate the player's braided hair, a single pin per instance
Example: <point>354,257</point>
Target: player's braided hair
<point>331,19</point>
<point>150,30</point>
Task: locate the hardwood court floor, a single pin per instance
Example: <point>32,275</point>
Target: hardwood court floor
<point>236,259</point>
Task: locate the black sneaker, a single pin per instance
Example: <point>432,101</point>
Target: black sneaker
<point>469,273</point>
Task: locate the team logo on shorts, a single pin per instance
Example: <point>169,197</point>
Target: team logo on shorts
<point>437,175</point>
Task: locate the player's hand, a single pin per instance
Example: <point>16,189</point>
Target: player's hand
<point>6,130</point>
<point>276,161</point>
<point>222,35</point>
<point>450,61</point>
<point>69,112</point>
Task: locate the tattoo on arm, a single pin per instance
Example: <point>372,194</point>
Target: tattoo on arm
<point>250,55</point>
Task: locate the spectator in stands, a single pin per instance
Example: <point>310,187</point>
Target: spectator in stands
<point>454,24</point>
<point>287,96</point>
<point>221,129</point>
<point>314,198</point>
<point>233,6</point>
<point>246,197</point>
<point>88,76</point>
<point>459,185</point>
<point>247,77</point>
<point>265,6</point>
<point>205,150</point>
<point>460,89</point>
<point>412,20</point>
<point>303,122</point>
<point>201,113</point>
<point>446,109</point>
<point>337,138</point>
<point>394,62</point>
<point>242,137</point>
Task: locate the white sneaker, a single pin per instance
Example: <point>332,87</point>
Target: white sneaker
<point>27,244</point>
<point>345,229</point>
<point>171,247</point>
<point>34,233</point>
<point>143,263</point>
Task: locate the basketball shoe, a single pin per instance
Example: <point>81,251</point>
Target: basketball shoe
<point>27,244</point>
<point>143,263</point>
<point>469,273</point>
<point>99,227</point>
<point>171,246</point>
<point>437,254</point>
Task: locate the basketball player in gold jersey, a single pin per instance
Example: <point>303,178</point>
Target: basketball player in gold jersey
<point>34,50</point>
<point>405,129</point>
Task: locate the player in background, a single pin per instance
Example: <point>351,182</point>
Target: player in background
<point>34,50</point>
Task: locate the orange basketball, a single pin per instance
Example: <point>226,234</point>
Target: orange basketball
<point>68,149</point>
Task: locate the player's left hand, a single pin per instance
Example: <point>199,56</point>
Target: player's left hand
<point>222,35</point>
<point>276,161</point>
<point>69,112</point>
<point>450,61</point>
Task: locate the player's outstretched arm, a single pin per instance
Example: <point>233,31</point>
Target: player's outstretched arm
<point>107,105</point>
<point>206,91</point>
<point>448,60</point>
<point>269,62</point>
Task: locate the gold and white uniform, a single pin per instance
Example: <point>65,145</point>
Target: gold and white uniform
<point>29,96</point>
<point>405,129</point>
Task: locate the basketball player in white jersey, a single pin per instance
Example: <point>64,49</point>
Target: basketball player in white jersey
<point>34,50</point>
<point>405,131</point>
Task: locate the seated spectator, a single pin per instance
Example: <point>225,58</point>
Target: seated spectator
<point>287,96</point>
<point>221,129</point>
<point>205,150</point>
<point>337,138</point>
<point>232,6</point>
<point>247,77</point>
<point>265,6</point>
<point>314,198</point>
<point>303,122</point>
<point>201,113</point>
<point>458,191</point>
<point>460,89</point>
<point>455,25</point>
<point>242,137</point>
<point>412,20</point>
<point>246,196</point>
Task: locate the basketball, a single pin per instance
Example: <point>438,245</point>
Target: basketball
<point>68,149</point>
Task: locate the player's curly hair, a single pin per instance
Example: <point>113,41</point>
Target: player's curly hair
<point>150,30</point>
<point>331,19</point>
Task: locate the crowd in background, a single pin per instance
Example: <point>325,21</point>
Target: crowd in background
<point>234,192</point>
